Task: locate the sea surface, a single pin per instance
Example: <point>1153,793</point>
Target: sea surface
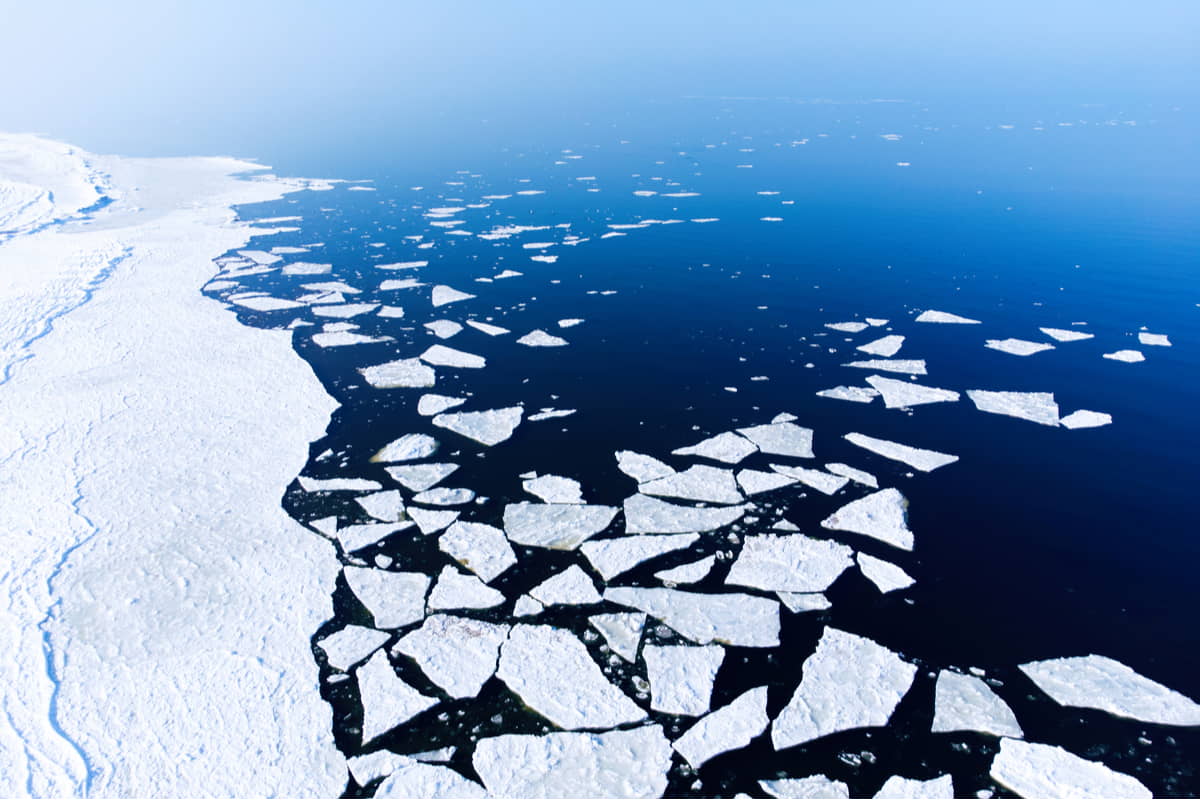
<point>1038,542</point>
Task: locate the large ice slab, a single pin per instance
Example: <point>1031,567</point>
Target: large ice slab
<point>734,619</point>
<point>904,394</point>
<point>880,515</point>
<point>403,373</point>
<point>1036,407</point>
<point>411,778</point>
<point>1103,683</point>
<point>727,447</point>
<point>385,506</point>
<point>419,477</point>
<point>650,515</point>
<point>823,482</point>
<point>898,788</point>
<point>553,673</point>
<point>915,457</point>
<point>1128,356</point>
<point>611,557</point>
<point>681,677</point>
<point>571,587</point>
<point>965,703</point>
<point>1040,770</point>
<point>817,787</point>
<point>699,482</point>
<point>886,576</point>
<point>641,468</point>
<point>847,327</point>
<point>431,404</point>
<point>558,526</point>
<point>1062,335</point>
<point>1154,339</point>
<point>853,394</point>
<point>337,484</point>
<point>387,700</point>
<point>539,338</point>
<point>394,599</point>
<point>481,548</point>
<point>945,317</point>
<point>905,366</point>
<point>444,295</point>
<point>789,563</point>
<point>429,520</point>
<point>1017,347</point>
<point>849,682</point>
<point>753,481</point>
<point>457,590</point>
<point>886,346</point>
<point>486,427</point>
<point>1085,419</point>
<point>351,645</point>
<point>554,489</point>
<point>356,537</point>
<point>622,632</point>
<point>456,653</point>
<point>730,727</point>
<point>490,330</point>
<point>441,356</point>
<point>781,439</point>
<point>856,475</point>
<point>408,447</point>
<point>687,573</point>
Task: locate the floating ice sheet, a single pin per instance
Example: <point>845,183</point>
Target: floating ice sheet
<point>386,506</point>
<point>441,356</point>
<point>641,468</point>
<point>886,576</point>
<point>431,404</point>
<point>650,515</point>
<point>558,526</point>
<point>350,645</point>
<point>456,590</point>
<point>730,727</point>
<point>429,521</point>
<point>813,786</point>
<point>550,413</point>
<point>486,427</point>
<point>915,457</point>
<point>571,587</point>
<point>945,317</point>
<point>414,779</point>
<point>681,677</point>
<point>345,311</point>
<point>740,620</point>
<point>1103,683</point>
<point>480,548</point>
<point>408,447</point>
<point>265,303</point>
<point>444,328</point>
<point>1041,770</point>
<point>1085,419</point>
<point>823,482</point>
<point>885,347</point>
<point>753,481</point>
<point>1017,347</point>
<point>554,489</point>
<point>847,327</point>
<point>898,788</point>
<point>727,447</point>
<point>699,482</point>
<point>1061,335</point>
<point>356,537</point>
<point>456,653</point>
<point>539,338</point>
<point>1128,356</point>
<point>622,632</point>
<point>789,563</point>
<point>443,295</point>
<point>611,557</point>
<point>419,477</point>
<point>346,338</point>
<point>781,438</point>
<point>880,515</point>
<point>394,599</point>
<point>407,373</point>
<point>965,703</point>
<point>798,603</point>
<point>444,496</point>
<point>856,475</point>
<point>387,700</point>
<point>337,484</point>
<point>904,394</point>
<point>1036,407</point>
<point>687,573</point>
<point>901,365</point>
<point>490,330</point>
<point>853,394</point>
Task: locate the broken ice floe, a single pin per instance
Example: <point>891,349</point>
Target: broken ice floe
<point>1085,419</point>
<point>346,338</point>
<point>408,447</point>
<point>456,590</point>
<point>699,482</point>
<point>558,526</point>
<point>443,328</point>
<point>898,788</point>
<point>1154,339</point>
<point>490,330</point>
<point>429,521</point>
<point>753,481</point>
<point>486,427</point>
<point>687,573</point>
<point>1128,356</point>
<point>411,778</point>
<point>539,338</point>
<point>885,347</point>
<point>781,438</point>
<point>798,602</point>
<point>394,599</point>
<point>966,703</point>
<point>886,576</point>
<point>356,537</point>
<point>337,484</point>
<point>480,548</point>
<point>456,653</point>
<point>419,477</point>
<point>880,515</point>
<point>901,365</point>
<point>813,786</point>
<point>444,295</point>
<point>611,557</point>
<point>387,700</point>
<point>856,475</point>
<point>945,317</point>
<point>1017,347</point>
<point>1040,770</point>
<point>854,394</point>
<point>789,563</point>
<point>265,303</point>
<point>1103,683</point>
<point>550,413</point>
<point>385,506</point>
<point>823,482</point>
<point>554,489</point>
<point>345,311</point>
<point>640,467</point>
<point>1036,407</point>
<point>571,587</point>
<point>915,457</point>
<point>441,356</point>
<point>730,727</point>
<point>350,645</point>
<point>849,682</point>
<point>846,327</point>
<point>569,323</point>
<point>681,677</point>
<point>622,632</point>
<point>740,620</point>
<point>905,394</point>
<point>431,404</point>
<point>727,447</point>
<point>402,373</point>
<point>1061,335</point>
<point>650,515</point>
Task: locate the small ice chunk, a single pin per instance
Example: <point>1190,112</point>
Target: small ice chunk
<point>915,457</point>
<point>875,322</point>
<point>885,347</point>
<point>753,481</point>
<point>1062,335</point>
<point>965,703</point>
<point>431,404</point>
<point>814,786</point>
<point>558,526</point>
<point>611,557</point>
<point>823,482</point>
<point>456,653</point>
<point>781,439</point>
<point>345,310</point>
<point>408,447</point>
<point>526,606</point>
<point>1128,356</point>
<point>444,295</point>
<point>905,394</point>
<point>394,599</point>
<point>554,489</point>
<point>390,312</point>
<point>399,283</point>
<point>553,673</point>
<point>306,268</point>
<point>727,447</point>
<point>618,764</point>
<point>898,788</point>
<point>337,484</point>
<point>846,327</point>
<point>456,590</point>
<point>429,521</point>
<point>387,700</point>
<point>622,632</point>
<point>849,682</point>
<point>550,413</point>
<point>539,338</point>
<point>486,427</point>
<point>371,766</point>
<point>650,515</point>
<point>419,477</point>
<point>880,515</point>
<point>571,587</point>
<point>1103,683</point>
<point>490,330</point>
<point>640,467</point>
<point>856,475</point>
<point>699,482</point>
<point>740,620</point>
<point>443,496</point>
<point>1036,407</point>
<point>569,323</point>
<point>386,506</point>
<point>443,328</point>
<point>345,339</point>
<point>1085,419</point>
<point>854,394</point>
<point>1017,347</point>
<point>480,548</point>
<point>886,576</point>
<point>905,366</point>
<point>1041,770</point>
<point>414,779</point>
<point>945,317</point>
<point>407,373</point>
<point>356,537</point>
<point>799,602</point>
<point>326,525</point>
<point>789,563</point>
<point>681,677</point>
<point>730,727</point>
<point>1154,339</point>
<point>350,645</point>
<point>687,573</point>
<point>441,356</point>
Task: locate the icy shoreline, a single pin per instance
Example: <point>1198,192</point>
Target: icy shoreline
<point>156,603</point>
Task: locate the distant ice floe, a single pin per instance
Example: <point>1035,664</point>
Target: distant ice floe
<point>356,537</point>
<point>622,632</point>
<point>265,303</point>
<point>789,563</point>
<point>813,786</point>
<point>739,620</point>
<point>904,366</point>
<point>915,457</point>
<point>486,427</point>
<point>823,482</point>
<point>1017,347</point>
<point>441,356</point>
<point>1103,683</point>
<point>945,317</point>
<point>1085,419</point>
<point>419,477</point>
<point>1154,339</point>
<point>782,438</point>
<point>965,703</point>
<point>402,373</point>
<point>409,447</point>
<point>351,645</point>
<point>481,548</point>
<point>346,338</point>
<point>853,394</point>
<point>729,728</point>
<point>430,404</point>
<point>611,557</point>
<point>337,484</point>
<point>687,573</point>
<point>641,468</point>
<point>1040,770</point>
<point>857,475</point>
<point>1062,335</point>
<point>550,413</point>
<point>1036,407</point>
<point>394,599</point>
<point>898,788</point>
<point>649,515</point>
<point>1128,356</point>
<point>443,328</point>
<point>539,338</point>
<point>849,682</point>
<point>885,347</point>
<point>880,515</point>
<point>429,521</point>
<point>699,482</point>
<point>571,587</point>
<point>455,590</point>
<point>681,677</point>
<point>727,447</point>
<point>444,295</point>
<point>847,327</point>
<point>386,699</point>
<point>456,653</point>
<point>558,526</point>
<point>886,576</point>
<point>489,329</point>
<point>345,310</point>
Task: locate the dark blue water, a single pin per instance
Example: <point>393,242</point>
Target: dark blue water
<point>1040,542</point>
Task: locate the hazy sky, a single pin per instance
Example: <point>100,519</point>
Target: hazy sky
<point>143,77</point>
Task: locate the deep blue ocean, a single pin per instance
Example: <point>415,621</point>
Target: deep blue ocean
<point>1039,542</point>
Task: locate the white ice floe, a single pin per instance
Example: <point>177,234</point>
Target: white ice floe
<point>799,602</point>
<point>789,563</point>
<point>617,764</point>
<point>886,576</point>
<point>853,394</point>
<point>727,447</point>
<point>702,483</point>
<point>856,475</point>
<point>1061,335</point>
<point>386,506</point>
<point>558,526</point>
<point>345,311</point>
<point>443,328</point>
<point>901,365</point>
<point>429,521</point>
<point>387,700</point>
<point>753,481</point>
<point>539,338</point>
<point>486,427</point>
<point>443,295</point>
<point>337,484</point>
<point>569,323</point>
<point>407,373</point>
<point>350,645</point>
<point>1036,407</point>
<point>880,515</point>
<point>1030,769</point>
<point>356,537</point>
<point>411,778</point>
<point>306,268</point>
<point>550,413</point>
<point>444,496</point>
<point>1128,356</point>
<point>441,356</point>
<point>571,587</point>
<point>875,322</point>
<point>849,682</point>
<point>885,347</point>
<point>1102,683</point>
<point>945,317</point>
<point>965,703</point>
<point>823,482</point>
<point>399,283</point>
<point>730,727</point>
<point>456,590</point>
<point>553,673</point>
<point>526,606</point>
<point>419,477</point>
<point>898,788</point>
<point>346,338</point>
<point>1017,347</point>
<point>265,303</point>
<point>480,548</point>
<point>740,620</point>
<point>641,468</point>
<point>1085,419</point>
<point>687,573</point>
<point>390,312</point>
<point>1154,339</point>
<point>905,394</point>
<point>457,654</point>
<point>490,330</point>
<point>554,489</point>
<point>846,327</point>
<point>371,766</point>
<point>650,515</point>
<point>431,404</point>
<point>394,599</point>
<point>915,457</point>
<point>408,447</point>
<point>681,677</point>
<point>403,265</point>
<point>611,557</point>
<point>622,632</point>
<point>781,438</point>
<point>813,786</point>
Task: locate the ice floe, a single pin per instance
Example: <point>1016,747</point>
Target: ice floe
<point>490,330</point>
<point>789,563</point>
<point>539,338</point>
<point>965,703</point>
<point>945,317</point>
<point>386,506</point>
<point>356,537</point>
<point>885,347</point>
<point>550,413</point>
<point>558,526</point>
<point>727,447</point>
<point>847,327</point>
<point>849,682</point>
<point>753,481</point>
<point>402,373</point>
<point>856,475</point>
<point>641,468</point>
<point>898,788</point>
<point>740,620</point>
<point>687,573</point>
<point>444,496</point>
<point>444,295</point>
<point>1128,356</point>
<point>456,653</point>
<point>345,311</point>
<point>915,457</point>
<point>1036,407</point>
<point>681,677</point>
<point>645,514</point>
<point>443,328</point>
<point>346,338</point>
<point>387,700</point>
<point>419,477</point>
<point>699,482</point>
<point>486,427</point>
<point>480,548</point>
<point>798,602</point>
<point>1154,339</point>
<point>431,404</point>
<point>408,447</point>
<point>571,587</point>
<point>350,645</point>
<point>337,484</point>
<point>441,356</point>
<point>823,482</point>
<point>813,786</point>
<point>622,632</point>
<point>901,365</point>
<point>1061,335</point>
<point>1041,770</point>
<point>1085,419</point>
<point>880,515</point>
<point>730,727</point>
<point>429,521</point>
<point>554,489</point>
<point>394,599</point>
<point>904,394</point>
<point>1017,347</point>
<point>1103,683</point>
<point>611,557</point>
<point>854,394</point>
<point>453,589</point>
<point>886,576</point>
<point>411,778</point>
<point>781,438</point>
<point>265,303</point>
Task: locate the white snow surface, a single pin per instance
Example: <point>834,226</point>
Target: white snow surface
<point>730,727</point>
<point>558,526</point>
<point>1154,339</point>
<point>880,515</point>
<point>966,703</point>
<point>789,563</point>
<point>1036,407</point>
<point>753,481</point>
<point>1103,683</point>
<point>351,645</point>
<point>740,620</point>
<point>813,786</point>
<point>456,653</point>
<point>1041,770</point>
<point>431,404</point>
<point>681,677</point>
<point>419,477</point>
<point>486,427</point>
<point>441,356</point>
<point>443,295</point>
<point>856,475</point>
<point>650,515</point>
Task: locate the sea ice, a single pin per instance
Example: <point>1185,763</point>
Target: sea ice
<point>1017,347</point>
<point>444,496</point>
<point>898,788</point>
<point>782,438</point>
<point>550,413</point>
<point>456,653</point>
<point>480,548</point>
<point>490,330</point>
<point>1128,356</point>
<point>1030,769</point>
<point>350,645</point>
<point>539,338</point>
<point>345,311</point>
<point>880,515</point>
<point>403,373</point>
<point>394,599</point>
<point>886,576</point>
<point>798,602</point>
<point>905,366</point>
<point>265,303</point>
<point>486,427</point>
<point>429,521</point>
<point>413,779</point>
<point>1062,335</point>
<point>823,482</point>
<point>650,515</point>
<point>753,481</point>
<point>740,620</point>
<point>387,700</point>
<point>1036,407</point>
<point>727,447</point>
<point>681,677</point>
<point>854,394</point>
<point>885,347</point>
<point>431,404</point>
<point>687,573</point>
<point>942,316</point>
<point>904,394</point>
<point>399,283</point>
<point>611,557</point>
<point>856,475</point>
<point>443,328</point>
<point>915,457</point>
<point>337,484</point>
<point>390,312</point>
<point>571,587</point>
<point>699,482</point>
<point>554,489</point>
<point>814,786</point>
<point>419,477</point>
<point>356,537</point>
<point>456,590</point>
<point>1100,682</point>
<point>443,295</point>
<point>846,327</point>
<point>441,356</point>
<point>849,682</point>
<point>640,467</point>
<point>553,673</point>
<point>1085,419</point>
<point>1154,339</point>
<point>569,323</point>
<point>526,606</point>
<point>965,703</point>
<point>345,339</point>
<point>408,447</point>
<point>386,506</point>
<point>366,768</point>
<point>622,632</point>
<point>558,526</point>
<point>789,563</point>
<point>730,727</point>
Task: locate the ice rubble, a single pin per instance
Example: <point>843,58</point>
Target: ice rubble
<point>456,653</point>
<point>456,590</point>
<point>1017,347</point>
<point>856,475</point>
<point>898,788</point>
<point>570,587</point>
<point>687,573</point>
<point>1085,419</point>
<point>781,438</point>
<point>407,373</point>
<point>885,347</point>
<point>539,338</point>
<point>387,700</point>
<point>945,317</point>
<point>886,576</point>
<point>681,677</point>
<point>430,404</point>
<point>740,620</point>
<point>915,457</point>
<point>350,645</point>
<point>727,447</point>
<point>649,515</point>
<point>849,682</point>
<point>628,763</point>
<point>419,477</point>
<point>622,632</point>
<point>554,489</point>
<point>486,427</point>
<point>1103,683</point>
<point>480,548</point>
<point>408,447</point>
<point>789,563</point>
<point>699,482</point>
<point>965,703</point>
<point>1040,770</point>
<point>904,394</point>
<point>394,599</point>
<point>1128,356</point>
<point>411,778</point>
<point>640,467</point>
<point>559,526</point>
<point>905,366</point>
<point>813,786</point>
<point>823,482</point>
<point>1061,335</point>
<point>1036,407</point>
<point>730,727</point>
<point>853,394</point>
<point>553,673</point>
<point>443,295</point>
<point>611,557</point>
